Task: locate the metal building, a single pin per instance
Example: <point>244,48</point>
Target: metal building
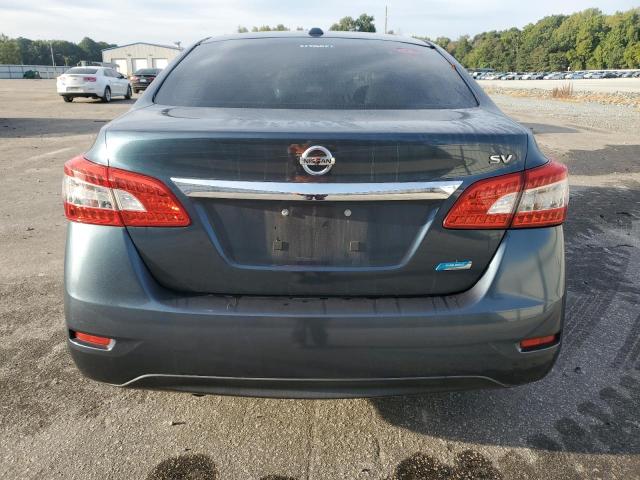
<point>135,56</point>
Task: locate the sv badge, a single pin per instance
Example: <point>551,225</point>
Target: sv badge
<point>500,158</point>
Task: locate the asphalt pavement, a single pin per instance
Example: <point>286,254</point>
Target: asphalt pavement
<point>580,422</point>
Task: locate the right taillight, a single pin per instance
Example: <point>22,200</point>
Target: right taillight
<point>102,195</point>
<point>533,198</point>
<point>545,197</point>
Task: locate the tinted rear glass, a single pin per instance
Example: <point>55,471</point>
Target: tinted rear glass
<point>82,71</point>
<point>327,73</point>
<point>148,71</point>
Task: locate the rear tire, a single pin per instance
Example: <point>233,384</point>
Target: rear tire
<point>128,95</point>
<point>106,97</point>
<point>67,98</point>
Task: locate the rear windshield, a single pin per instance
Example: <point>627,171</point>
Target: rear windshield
<point>147,71</point>
<point>313,73</point>
<point>82,71</point>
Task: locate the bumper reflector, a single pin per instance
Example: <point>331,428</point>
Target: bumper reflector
<point>92,340</point>
<point>538,342</point>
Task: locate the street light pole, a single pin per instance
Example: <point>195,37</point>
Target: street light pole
<point>53,61</point>
<point>385,19</point>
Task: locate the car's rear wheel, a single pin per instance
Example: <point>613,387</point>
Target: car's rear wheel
<point>106,97</point>
<point>128,95</point>
<point>67,98</point>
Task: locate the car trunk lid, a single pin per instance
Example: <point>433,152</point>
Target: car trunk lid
<point>261,224</point>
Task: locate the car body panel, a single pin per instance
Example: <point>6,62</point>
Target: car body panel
<point>215,307</point>
<point>457,341</point>
<point>400,242</point>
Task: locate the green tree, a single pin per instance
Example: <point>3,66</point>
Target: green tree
<point>536,42</point>
<point>364,23</point>
<point>632,55</point>
<point>510,45</point>
<point>9,50</point>
<point>443,42</point>
<point>621,30</point>
<point>38,52</point>
<point>461,48</point>
<point>589,36</point>
<point>586,39</point>
<point>91,50</point>
<point>266,28</point>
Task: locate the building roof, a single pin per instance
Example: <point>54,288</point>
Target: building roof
<point>142,43</point>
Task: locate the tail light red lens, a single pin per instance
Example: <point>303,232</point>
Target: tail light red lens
<point>538,342</point>
<point>87,194</point>
<point>93,340</point>
<point>486,204</point>
<point>89,79</point>
<point>101,195</point>
<point>545,197</point>
<point>534,198</point>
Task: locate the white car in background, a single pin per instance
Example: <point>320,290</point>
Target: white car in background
<point>93,82</point>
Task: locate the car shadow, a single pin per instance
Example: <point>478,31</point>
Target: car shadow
<point>43,127</point>
<point>590,401</point>
<point>612,158</point>
<point>115,100</point>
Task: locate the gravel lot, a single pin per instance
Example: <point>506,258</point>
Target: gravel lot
<point>582,421</point>
<point>603,85</point>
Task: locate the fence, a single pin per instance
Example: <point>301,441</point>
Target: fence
<point>16,71</point>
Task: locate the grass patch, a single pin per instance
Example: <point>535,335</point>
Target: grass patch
<point>563,91</point>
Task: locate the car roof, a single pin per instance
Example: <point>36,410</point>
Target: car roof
<point>90,66</point>
<point>327,34</point>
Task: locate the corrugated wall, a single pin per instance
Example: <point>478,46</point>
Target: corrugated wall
<point>17,71</point>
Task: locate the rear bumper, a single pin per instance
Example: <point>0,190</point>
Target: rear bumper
<point>313,347</point>
<point>78,91</point>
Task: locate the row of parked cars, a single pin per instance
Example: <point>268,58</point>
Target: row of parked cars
<point>577,75</point>
<point>102,82</point>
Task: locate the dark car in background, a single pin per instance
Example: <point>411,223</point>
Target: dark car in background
<point>142,78</point>
<point>314,215</point>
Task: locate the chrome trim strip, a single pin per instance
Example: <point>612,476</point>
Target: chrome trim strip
<point>346,381</point>
<point>337,192</point>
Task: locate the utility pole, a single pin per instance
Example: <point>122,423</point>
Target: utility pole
<point>53,61</point>
<point>385,19</point>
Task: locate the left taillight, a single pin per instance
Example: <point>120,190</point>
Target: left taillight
<point>89,79</point>
<point>101,195</point>
<point>534,198</point>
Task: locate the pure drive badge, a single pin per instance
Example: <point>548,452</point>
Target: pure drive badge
<point>463,265</point>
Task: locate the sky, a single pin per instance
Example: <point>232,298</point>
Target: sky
<point>167,21</point>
